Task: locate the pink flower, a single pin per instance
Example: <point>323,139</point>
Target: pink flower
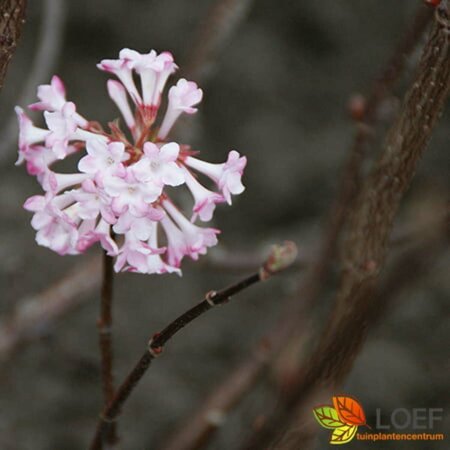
<point>101,233</point>
<point>37,157</point>
<point>52,96</point>
<point>159,166</point>
<point>121,69</point>
<point>197,239</point>
<point>139,228</point>
<point>182,98</point>
<point>93,202</point>
<point>138,256</point>
<point>133,256</point>
<point>102,157</point>
<point>62,125</point>
<point>227,176</point>
<point>56,182</point>
<point>128,193</point>
<point>205,200</point>
<point>125,178</point>
<point>28,133</point>
<point>154,70</point>
<point>118,95</point>
<point>55,229</point>
<point>177,247</point>
<point>155,264</point>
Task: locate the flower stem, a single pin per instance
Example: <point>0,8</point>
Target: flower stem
<point>280,258</point>
<point>104,325</point>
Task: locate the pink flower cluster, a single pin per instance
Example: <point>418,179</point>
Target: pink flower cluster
<point>120,186</point>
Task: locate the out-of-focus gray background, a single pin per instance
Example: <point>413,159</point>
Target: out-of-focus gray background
<point>277,92</point>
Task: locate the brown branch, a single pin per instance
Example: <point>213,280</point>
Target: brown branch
<point>104,325</point>
<point>12,18</point>
<point>280,258</point>
<point>371,221</point>
<point>351,174</point>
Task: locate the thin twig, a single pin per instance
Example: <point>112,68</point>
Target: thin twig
<point>12,18</point>
<point>48,49</point>
<point>371,222</point>
<point>280,258</point>
<point>104,325</point>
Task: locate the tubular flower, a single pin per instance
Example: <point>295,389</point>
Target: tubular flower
<point>120,186</point>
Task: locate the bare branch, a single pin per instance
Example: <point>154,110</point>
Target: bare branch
<point>12,18</point>
<point>104,325</point>
<point>351,175</point>
<point>279,259</point>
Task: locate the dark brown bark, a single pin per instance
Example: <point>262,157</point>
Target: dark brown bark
<point>351,175</point>
<point>104,325</point>
<point>12,19</point>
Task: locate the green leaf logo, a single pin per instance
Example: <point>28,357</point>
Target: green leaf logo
<point>343,418</point>
<point>328,417</point>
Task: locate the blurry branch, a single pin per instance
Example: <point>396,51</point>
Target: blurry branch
<point>351,174</point>
<point>36,312</point>
<point>48,49</point>
<point>12,18</point>
<point>370,223</point>
<point>220,22</point>
<point>280,258</point>
<point>199,427</point>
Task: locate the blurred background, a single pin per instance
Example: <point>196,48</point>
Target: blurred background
<point>276,88</point>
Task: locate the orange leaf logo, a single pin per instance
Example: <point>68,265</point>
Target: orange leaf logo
<point>343,418</point>
<point>349,410</point>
